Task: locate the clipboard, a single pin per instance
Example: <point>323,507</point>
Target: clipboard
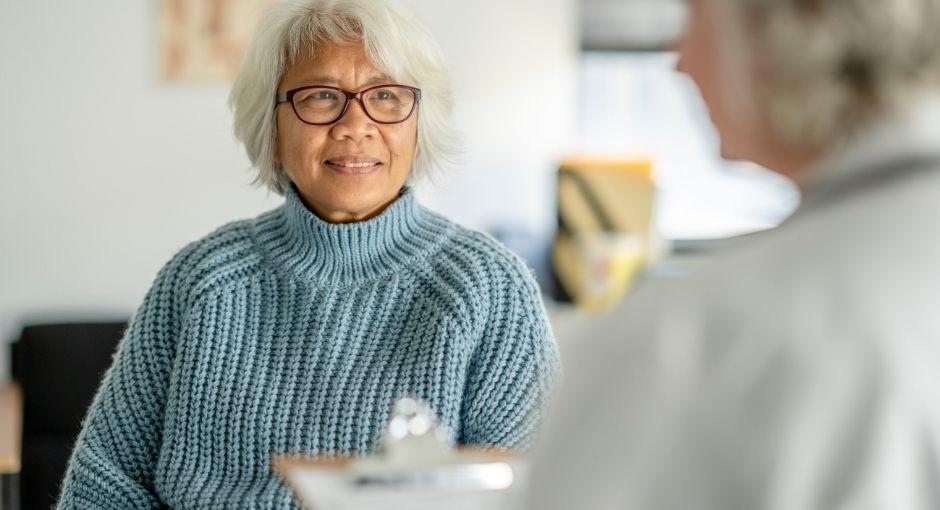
<point>414,469</point>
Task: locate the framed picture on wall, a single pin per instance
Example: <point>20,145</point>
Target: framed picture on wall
<point>204,40</point>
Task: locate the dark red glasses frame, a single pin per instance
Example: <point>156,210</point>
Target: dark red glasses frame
<point>288,97</point>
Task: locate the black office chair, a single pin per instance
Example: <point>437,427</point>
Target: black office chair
<point>58,368</point>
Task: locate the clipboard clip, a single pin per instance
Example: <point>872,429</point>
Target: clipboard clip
<point>417,452</point>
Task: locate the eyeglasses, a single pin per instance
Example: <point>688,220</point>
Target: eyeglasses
<point>320,105</point>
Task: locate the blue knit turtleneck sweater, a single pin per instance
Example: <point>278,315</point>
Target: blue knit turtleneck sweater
<point>287,334</point>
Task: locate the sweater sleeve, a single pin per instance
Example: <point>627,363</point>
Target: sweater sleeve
<point>512,371</point>
<point>113,461</point>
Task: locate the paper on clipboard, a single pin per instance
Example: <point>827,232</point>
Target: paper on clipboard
<point>333,485</point>
<point>414,470</point>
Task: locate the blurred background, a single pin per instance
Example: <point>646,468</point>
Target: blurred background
<point>118,150</point>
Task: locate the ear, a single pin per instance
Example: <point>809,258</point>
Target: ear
<point>277,150</point>
<point>277,146</point>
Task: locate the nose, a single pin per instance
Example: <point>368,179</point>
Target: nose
<point>681,64</point>
<point>355,125</point>
<point>680,43</point>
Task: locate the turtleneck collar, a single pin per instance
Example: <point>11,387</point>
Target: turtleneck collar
<point>319,252</point>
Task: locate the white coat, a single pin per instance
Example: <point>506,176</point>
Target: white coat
<point>799,370</point>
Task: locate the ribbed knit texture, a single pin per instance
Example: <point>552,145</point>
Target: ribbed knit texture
<point>287,334</point>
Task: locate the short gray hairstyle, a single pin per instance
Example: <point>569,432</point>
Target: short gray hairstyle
<point>394,41</point>
<point>830,64</point>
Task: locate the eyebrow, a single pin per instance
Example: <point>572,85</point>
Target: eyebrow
<point>328,80</point>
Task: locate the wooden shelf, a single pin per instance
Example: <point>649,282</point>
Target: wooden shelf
<point>11,422</point>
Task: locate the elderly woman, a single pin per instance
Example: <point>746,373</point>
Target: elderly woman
<point>800,370</point>
<point>294,332</point>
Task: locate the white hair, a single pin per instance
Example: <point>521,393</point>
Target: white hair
<point>826,66</point>
<point>394,41</point>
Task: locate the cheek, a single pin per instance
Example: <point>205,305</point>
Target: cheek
<point>702,66</point>
<point>713,76</point>
<point>287,143</point>
<point>298,143</point>
<point>401,142</point>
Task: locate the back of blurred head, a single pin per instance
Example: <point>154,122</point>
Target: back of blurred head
<point>787,81</point>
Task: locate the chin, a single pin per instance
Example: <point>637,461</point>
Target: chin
<point>729,154</point>
<point>731,151</point>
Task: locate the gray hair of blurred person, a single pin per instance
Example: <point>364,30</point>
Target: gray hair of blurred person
<point>824,67</point>
<point>393,39</point>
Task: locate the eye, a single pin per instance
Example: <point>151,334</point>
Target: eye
<point>311,97</point>
<point>385,95</point>
<point>323,95</point>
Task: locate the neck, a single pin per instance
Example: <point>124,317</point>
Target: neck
<point>339,216</point>
<point>792,163</point>
<point>797,167</point>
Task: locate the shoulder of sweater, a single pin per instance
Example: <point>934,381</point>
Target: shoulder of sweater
<point>224,255</point>
<point>485,264</point>
<point>512,314</point>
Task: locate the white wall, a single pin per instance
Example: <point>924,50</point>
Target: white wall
<point>515,68</point>
<point>106,171</point>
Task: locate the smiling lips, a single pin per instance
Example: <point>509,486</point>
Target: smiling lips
<point>353,164</point>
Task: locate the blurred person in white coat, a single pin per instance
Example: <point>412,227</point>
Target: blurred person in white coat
<point>801,368</point>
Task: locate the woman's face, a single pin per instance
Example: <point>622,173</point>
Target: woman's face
<point>352,169</point>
